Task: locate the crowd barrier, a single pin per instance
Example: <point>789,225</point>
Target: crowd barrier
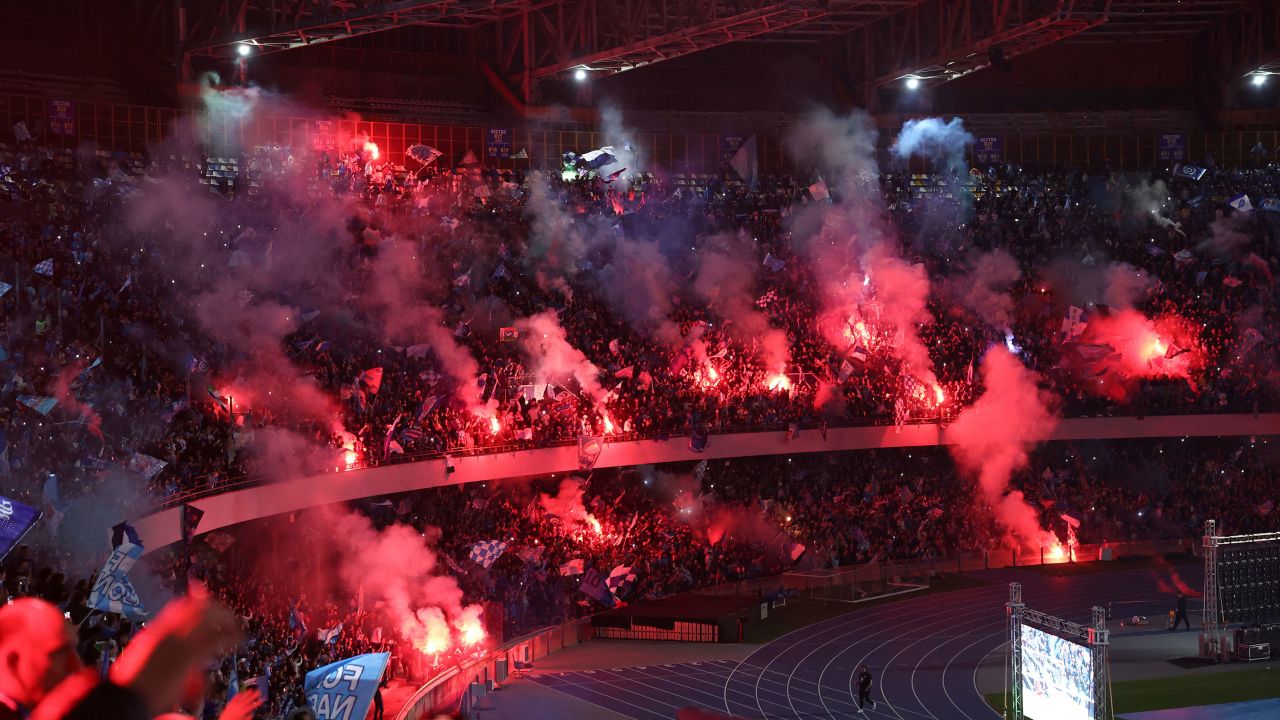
<point>462,688</point>
<point>253,501</point>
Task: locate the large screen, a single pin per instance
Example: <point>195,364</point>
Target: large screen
<point>1057,677</point>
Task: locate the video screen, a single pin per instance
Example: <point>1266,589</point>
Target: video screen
<point>1057,677</point>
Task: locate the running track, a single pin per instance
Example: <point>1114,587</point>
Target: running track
<point>924,653</point>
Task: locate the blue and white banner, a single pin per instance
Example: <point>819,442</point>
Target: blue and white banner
<point>15,520</point>
<point>1241,203</point>
<point>344,690</point>
<point>112,591</point>
<point>329,635</point>
<point>988,150</point>
<point>499,143</point>
<point>1268,204</point>
<point>1172,147</point>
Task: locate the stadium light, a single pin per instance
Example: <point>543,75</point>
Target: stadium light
<point>580,75</point>
<point>913,83</point>
<point>244,49</point>
<point>1259,79</point>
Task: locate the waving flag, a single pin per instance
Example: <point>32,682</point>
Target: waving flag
<point>424,154</point>
<point>40,403</point>
<point>372,379</point>
<point>593,586</point>
<point>621,579</point>
<point>344,690</point>
<point>329,635</point>
<point>112,591</point>
<point>573,567</point>
<point>486,552</point>
<point>1190,172</point>
<point>53,503</point>
<point>145,465</point>
<point>297,622</point>
<point>44,267</point>
<point>1241,203</point>
<point>468,159</point>
<point>819,191</point>
<point>597,159</point>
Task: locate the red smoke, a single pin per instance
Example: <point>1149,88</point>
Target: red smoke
<point>568,506</point>
<point>1126,346</point>
<point>61,389</point>
<point>992,437</point>
<point>396,567</point>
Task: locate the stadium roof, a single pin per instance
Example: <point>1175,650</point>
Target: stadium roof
<point>885,40</point>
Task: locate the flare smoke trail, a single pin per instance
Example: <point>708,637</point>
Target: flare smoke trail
<point>983,288</point>
<point>638,282</point>
<point>551,355</point>
<point>993,436</point>
<point>843,150</point>
<point>567,505</point>
<point>932,138</point>
<point>1118,285</point>
<point>396,567</point>
<point>727,284</point>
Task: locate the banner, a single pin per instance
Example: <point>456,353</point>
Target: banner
<point>15,520</point>
<point>499,143</point>
<point>589,449</point>
<point>988,150</point>
<point>344,690</point>
<point>1171,147</point>
<point>112,591</point>
<point>190,520</point>
<point>62,117</point>
<point>746,163</point>
<point>729,145</point>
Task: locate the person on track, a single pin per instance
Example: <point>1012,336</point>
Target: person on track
<point>1180,616</point>
<point>864,689</point>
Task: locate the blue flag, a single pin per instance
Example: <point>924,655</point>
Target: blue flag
<point>15,520</point>
<point>344,690</point>
<point>112,591</point>
<point>122,533</point>
<point>296,623</point>
<point>233,682</point>
<point>1190,172</point>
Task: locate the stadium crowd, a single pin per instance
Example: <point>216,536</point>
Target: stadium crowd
<point>104,367</point>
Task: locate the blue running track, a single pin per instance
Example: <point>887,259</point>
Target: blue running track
<point>924,653</point>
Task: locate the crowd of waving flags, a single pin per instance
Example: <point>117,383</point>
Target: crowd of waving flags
<point>605,590</point>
